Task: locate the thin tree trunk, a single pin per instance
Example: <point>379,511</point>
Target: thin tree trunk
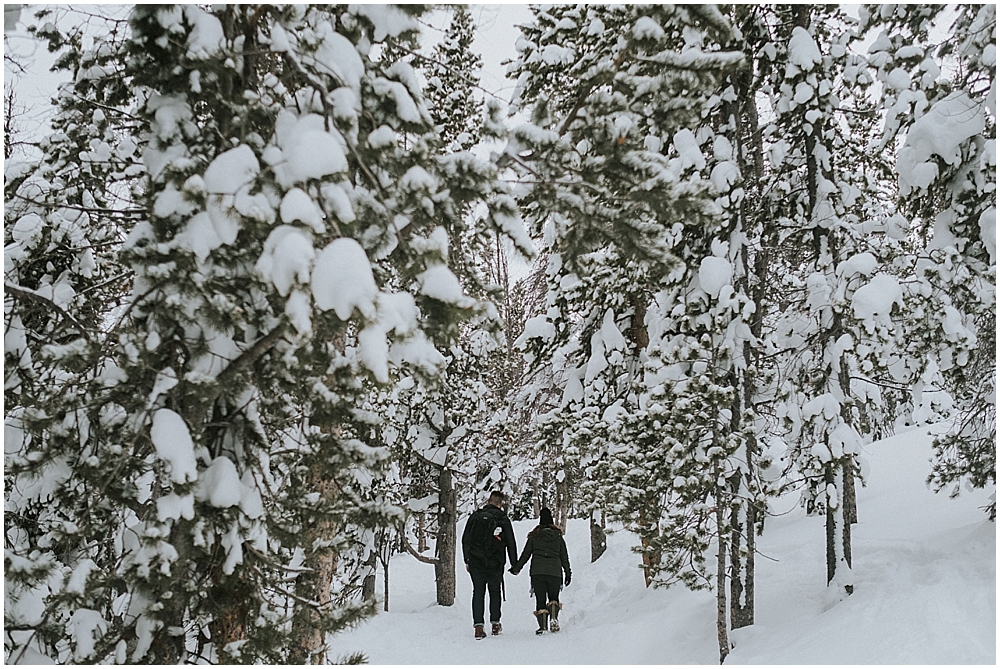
<point>831,528</point>
<point>421,532</point>
<point>598,539</point>
<point>721,608</point>
<point>368,584</point>
<point>850,496</point>
<point>650,558</point>
<point>444,566</point>
<point>846,525</point>
<point>639,335</point>
<point>740,609</point>
<point>748,587</point>
<point>561,512</point>
<point>385,585</point>
<point>315,584</point>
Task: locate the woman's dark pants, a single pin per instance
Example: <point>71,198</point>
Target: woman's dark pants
<point>546,590</point>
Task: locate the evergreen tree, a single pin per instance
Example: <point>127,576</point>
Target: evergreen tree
<point>452,73</point>
<point>214,490</point>
<point>946,167</point>
<point>819,198</point>
<point>617,192</point>
<point>444,430</point>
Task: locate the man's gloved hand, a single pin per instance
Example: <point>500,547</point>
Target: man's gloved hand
<point>568,577</point>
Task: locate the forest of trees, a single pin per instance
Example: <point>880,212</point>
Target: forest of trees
<point>261,329</point>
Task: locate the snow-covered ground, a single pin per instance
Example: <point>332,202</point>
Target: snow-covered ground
<point>924,574</point>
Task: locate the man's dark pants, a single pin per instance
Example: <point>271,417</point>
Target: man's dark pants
<point>483,580</point>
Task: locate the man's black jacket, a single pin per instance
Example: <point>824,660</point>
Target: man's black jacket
<point>498,560</point>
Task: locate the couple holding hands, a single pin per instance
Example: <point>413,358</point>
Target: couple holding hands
<point>488,540</point>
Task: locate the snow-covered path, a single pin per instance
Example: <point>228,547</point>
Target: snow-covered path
<point>925,593</point>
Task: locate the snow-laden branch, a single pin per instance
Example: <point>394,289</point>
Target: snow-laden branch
<point>414,553</point>
<point>696,61</point>
<point>28,294</point>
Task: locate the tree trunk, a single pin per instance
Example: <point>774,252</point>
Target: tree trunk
<point>747,616</point>
<point>831,528</point>
<point>638,332</point>
<point>560,513</point>
<point>166,648</point>
<point>650,558</point>
<point>740,578</point>
<point>314,585</point>
<point>421,532</point>
<point>230,624</point>
<point>850,494</point>
<point>444,566</point>
<point>598,539</point>
<point>385,586</point>
<point>721,608</point>
<point>846,523</point>
<point>368,584</point>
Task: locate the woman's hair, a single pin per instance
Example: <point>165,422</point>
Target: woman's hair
<point>545,520</point>
<point>545,517</point>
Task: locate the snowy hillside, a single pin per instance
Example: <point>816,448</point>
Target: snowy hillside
<point>925,579</point>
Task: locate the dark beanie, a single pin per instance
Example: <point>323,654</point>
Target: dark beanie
<point>545,518</point>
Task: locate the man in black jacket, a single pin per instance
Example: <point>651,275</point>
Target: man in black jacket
<point>486,542</point>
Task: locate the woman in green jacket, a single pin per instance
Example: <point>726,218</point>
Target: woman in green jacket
<point>546,549</point>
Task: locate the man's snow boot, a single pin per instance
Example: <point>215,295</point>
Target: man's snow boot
<point>554,616</point>
<point>497,628</point>
<point>480,632</point>
<point>543,621</point>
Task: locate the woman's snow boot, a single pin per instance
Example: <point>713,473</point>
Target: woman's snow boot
<point>554,616</point>
<point>543,619</point>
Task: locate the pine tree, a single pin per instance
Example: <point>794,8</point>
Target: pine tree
<point>946,191</point>
<point>444,429</point>
<point>452,78</point>
<point>64,221</point>
<point>821,193</point>
<point>222,397</point>
<point>628,219</point>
